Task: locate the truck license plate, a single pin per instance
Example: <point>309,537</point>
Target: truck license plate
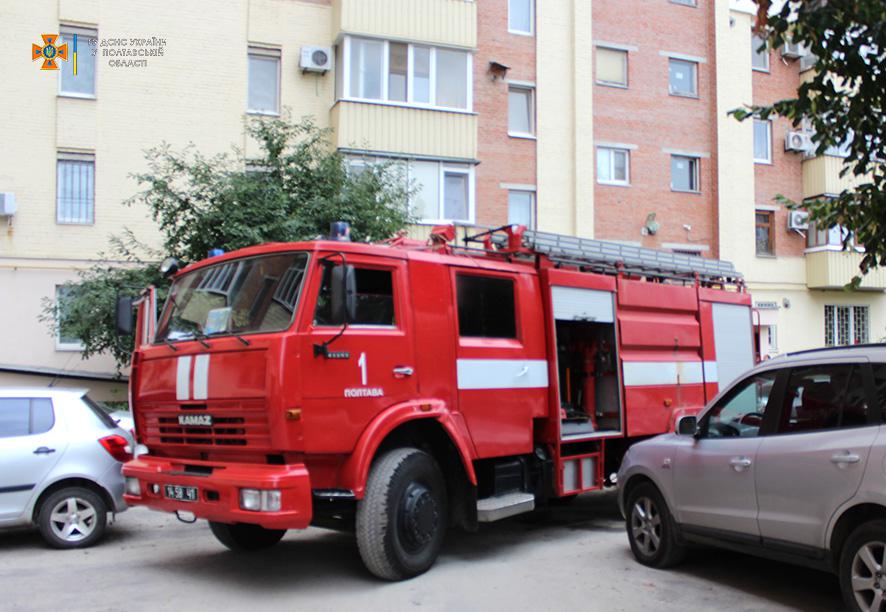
<point>188,494</point>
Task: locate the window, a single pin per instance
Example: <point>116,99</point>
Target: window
<point>741,413</point>
<point>684,173</point>
<point>764,232</point>
<point>685,2</point>
<point>374,299</point>
<point>772,337</point>
<point>406,73</point>
<point>23,416</point>
<point>824,397</point>
<point>613,166</point>
<point>82,84</point>
<point>846,325</point>
<point>762,142</point>
<point>264,81</point>
<point>826,236</point>
<point>880,387</point>
<point>486,307</point>
<point>75,188</point>
<point>521,112</point>
<point>521,208</point>
<point>65,339</point>
<point>759,58</point>
<point>682,77</point>
<point>520,16</point>
<point>612,66</point>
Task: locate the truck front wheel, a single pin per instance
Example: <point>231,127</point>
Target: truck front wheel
<point>245,537</point>
<point>401,521</point>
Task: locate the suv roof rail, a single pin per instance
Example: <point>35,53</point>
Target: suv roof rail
<point>842,347</point>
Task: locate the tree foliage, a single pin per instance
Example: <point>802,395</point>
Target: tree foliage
<point>292,190</point>
<point>842,102</point>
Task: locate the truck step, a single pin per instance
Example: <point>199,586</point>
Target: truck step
<point>491,509</point>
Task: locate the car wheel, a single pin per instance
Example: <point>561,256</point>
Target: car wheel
<point>651,531</point>
<point>863,567</point>
<point>401,521</point>
<point>74,517</point>
<point>243,537</point>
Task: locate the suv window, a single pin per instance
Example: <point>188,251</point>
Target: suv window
<point>374,297</point>
<point>880,387</point>
<point>824,397</point>
<point>740,414</point>
<point>486,307</point>
<point>20,416</point>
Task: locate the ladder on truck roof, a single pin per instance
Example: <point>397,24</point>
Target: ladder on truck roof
<point>612,257</point>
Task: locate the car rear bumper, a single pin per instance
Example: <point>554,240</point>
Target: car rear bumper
<point>218,490</point>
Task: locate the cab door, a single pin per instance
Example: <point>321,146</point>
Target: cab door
<point>31,443</point>
<point>351,373</point>
<point>816,458</point>
<point>714,477</point>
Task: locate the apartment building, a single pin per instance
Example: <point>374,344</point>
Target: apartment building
<point>602,119</point>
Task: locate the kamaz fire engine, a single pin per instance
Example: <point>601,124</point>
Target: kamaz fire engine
<point>401,388</point>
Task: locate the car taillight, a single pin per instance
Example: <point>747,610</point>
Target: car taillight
<point>117,446</point>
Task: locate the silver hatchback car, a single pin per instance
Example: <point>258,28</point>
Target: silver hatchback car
<point>787,462</point>
<point>60,460</point>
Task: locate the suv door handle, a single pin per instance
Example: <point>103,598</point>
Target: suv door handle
<point>403,371</point>
<point>44,450</point>
<point>740,464</point>
<point>845,458</point>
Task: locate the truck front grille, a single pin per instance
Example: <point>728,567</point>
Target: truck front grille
<point>234,425</point>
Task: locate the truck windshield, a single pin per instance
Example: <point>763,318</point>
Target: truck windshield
<point>255,294</point>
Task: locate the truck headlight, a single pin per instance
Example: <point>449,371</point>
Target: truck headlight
<point>260,500</point>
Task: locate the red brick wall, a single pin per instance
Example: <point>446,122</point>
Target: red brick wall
<point>645,115</point>
<point>502,159</point>
<point>785,175</point>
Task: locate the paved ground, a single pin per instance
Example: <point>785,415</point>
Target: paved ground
<point>574,557</point>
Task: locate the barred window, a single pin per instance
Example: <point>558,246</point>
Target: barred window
<point>75,190</point>
<point>846,325</point>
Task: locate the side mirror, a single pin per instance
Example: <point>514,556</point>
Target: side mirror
<point>687,425</point>
<point>125,323</point>
<point>343,286</point>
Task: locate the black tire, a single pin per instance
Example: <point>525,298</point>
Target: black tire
<point>870,581</point>
<point>74,517</point>
<point>651,529</point>
<point>244,537</point>
<point>401,521</point>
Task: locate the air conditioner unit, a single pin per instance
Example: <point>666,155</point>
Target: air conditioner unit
<point>800,142</point>
<point>7,204</point>
<point>798,220</point>
<point>793,50</point>
<point>316,59</point>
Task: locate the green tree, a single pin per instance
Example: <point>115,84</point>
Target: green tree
<point>292,190</point>
<point>842,102</point>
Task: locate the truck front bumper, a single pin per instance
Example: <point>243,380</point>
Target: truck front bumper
<point>218,488</point>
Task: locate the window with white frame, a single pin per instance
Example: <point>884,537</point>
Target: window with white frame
<point>762,141</point>
<point>75,188</point>
<point>82,84</point>
<point>613,166</point>
<point>264,81</point>
<point>521,208</point>
<point>405,73</point>
<point>521,110</point>
<point>612,66</point>
<point>759,53</point>
<point>684,173</point>
<point>685,2</point>
<point>830,238</point>
<point>846,325</point>
<point>521,16</point>
<point>65,338</point>
<point>682,77</point>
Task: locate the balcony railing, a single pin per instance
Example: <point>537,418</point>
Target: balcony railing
<point>443,22</point>
<point>821,177</point>
<point>831,268</point>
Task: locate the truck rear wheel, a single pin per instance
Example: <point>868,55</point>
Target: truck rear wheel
<point>244,536</point>
<point>401,521</point>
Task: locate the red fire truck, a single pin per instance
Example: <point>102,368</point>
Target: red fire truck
<point>398,389</point>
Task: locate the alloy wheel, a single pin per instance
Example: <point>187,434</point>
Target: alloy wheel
<point>73,519</point>
<point>646,526</point>
<point>869,576</point>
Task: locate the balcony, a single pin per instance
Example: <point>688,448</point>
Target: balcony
<point>828,268</point>
<point>403,130</point>
<point>444,22</point>
<point>821,177</point>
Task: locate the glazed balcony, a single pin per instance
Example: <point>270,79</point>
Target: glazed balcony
<point>831,268</point>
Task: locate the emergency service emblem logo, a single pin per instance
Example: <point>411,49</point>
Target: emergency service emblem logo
<point>49,52</point>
